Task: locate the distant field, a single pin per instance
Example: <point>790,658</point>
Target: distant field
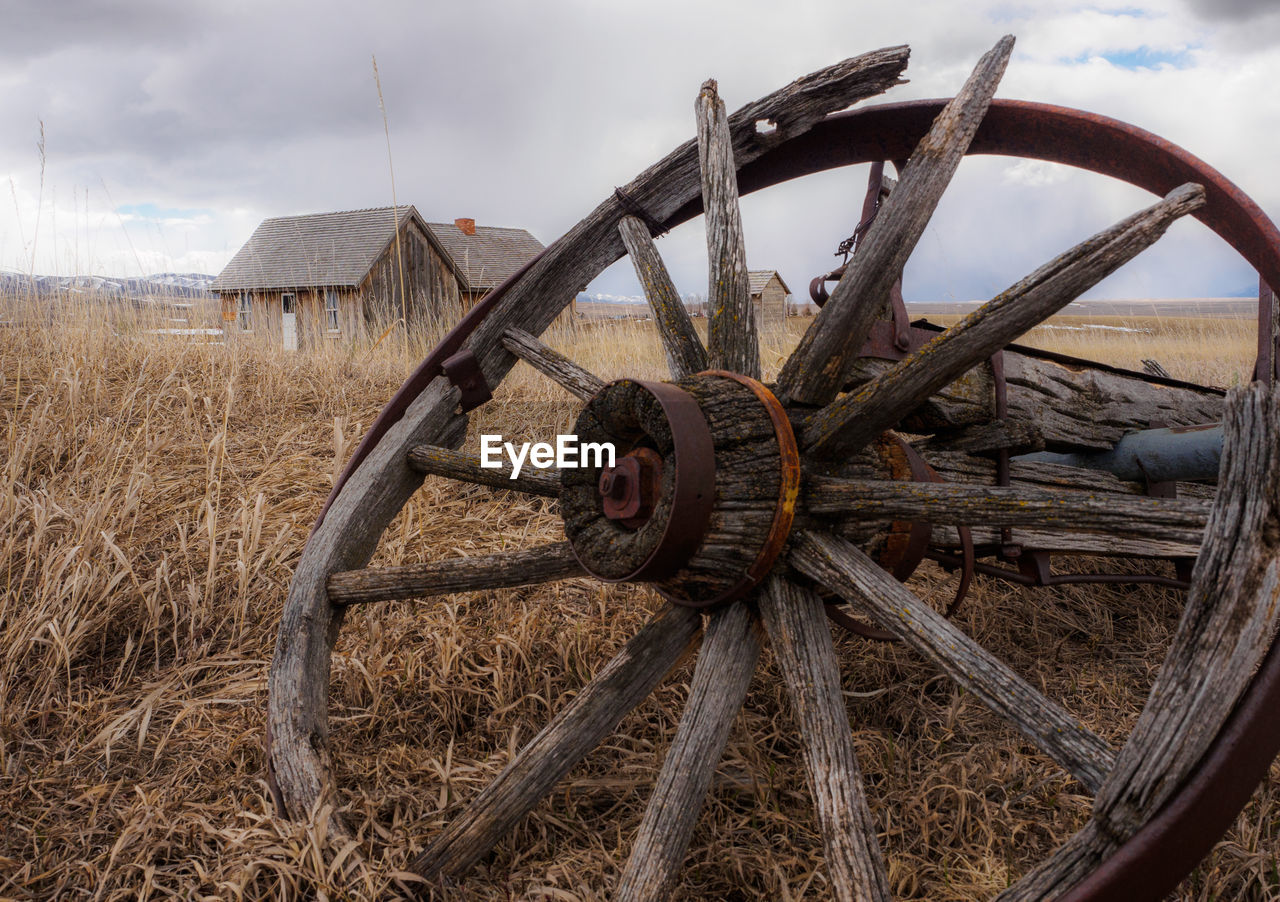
<point>155,495</point>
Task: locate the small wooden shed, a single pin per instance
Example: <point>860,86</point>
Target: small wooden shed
<point>300,281</point>
<point>769,294</point>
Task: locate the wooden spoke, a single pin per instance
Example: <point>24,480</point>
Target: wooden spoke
<point>504,570</point>
<point>720,680</point>
<point>821,362</point>
<point>1135,516</point>
<point>845,570</point>
<point>580,726</point>
<point>466,467</point>
<point>856,418</point>
<point>1228,624</point>
<point>685,353</point>
<point>801,640</point>
<point>731,329</point>
<point>551,363</point>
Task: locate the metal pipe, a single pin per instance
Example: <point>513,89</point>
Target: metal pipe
<point>1182,453</point>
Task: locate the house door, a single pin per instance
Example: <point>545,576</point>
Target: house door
<point>289,321</point>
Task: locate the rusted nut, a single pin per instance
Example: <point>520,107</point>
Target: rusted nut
<point>630,489</point>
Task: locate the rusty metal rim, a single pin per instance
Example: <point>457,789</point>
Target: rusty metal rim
<point>784,513</point>
<point>693,486</point>
<point>1037,131</point>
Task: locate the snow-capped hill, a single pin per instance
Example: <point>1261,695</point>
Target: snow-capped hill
<point>166,284</point>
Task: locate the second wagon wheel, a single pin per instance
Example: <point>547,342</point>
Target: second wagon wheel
<point>704,503</point>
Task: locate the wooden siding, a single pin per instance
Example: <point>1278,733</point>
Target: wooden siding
<point>771,304</point>
<point>432,289</point>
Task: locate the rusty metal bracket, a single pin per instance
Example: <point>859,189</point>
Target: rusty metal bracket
<point>463,371</point>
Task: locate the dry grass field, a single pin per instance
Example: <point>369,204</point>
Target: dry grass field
<point>154,498</point>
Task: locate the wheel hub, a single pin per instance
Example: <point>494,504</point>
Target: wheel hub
<point>702,498</point>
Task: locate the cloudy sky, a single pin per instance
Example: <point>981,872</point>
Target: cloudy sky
<point>150,136</point>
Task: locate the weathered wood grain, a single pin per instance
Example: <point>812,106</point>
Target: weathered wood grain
<point>731,325</point>
<point>437,461</point>
<point>1167,519</point>
<point>551,363</point>
<point>1063,408</point>
<point>820,364</point>
<point>801,638</point>
<point>855,418</point>
<point>504,570</point>
<point>720,679</point>
<point>685,353</point>
<point>297,728</point>
<point>581,725</point>
<point>845,570</point>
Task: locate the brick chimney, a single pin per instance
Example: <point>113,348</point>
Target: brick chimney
<point>466,226</point>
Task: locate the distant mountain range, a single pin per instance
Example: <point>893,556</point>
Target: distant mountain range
<point>163,284</point>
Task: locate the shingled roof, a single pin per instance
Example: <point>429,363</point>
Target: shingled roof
<point>337,250</point>
<point>485,259</point>
<point>320,249</point>
<point>758,278</point>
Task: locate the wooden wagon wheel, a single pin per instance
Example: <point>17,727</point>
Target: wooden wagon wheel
<point>705,507</point>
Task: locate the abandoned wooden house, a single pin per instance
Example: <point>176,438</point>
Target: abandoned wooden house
<point>300,281</point>
<point>769,294</point>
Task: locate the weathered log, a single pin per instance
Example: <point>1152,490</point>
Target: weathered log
<point>843,569</point>
<point>857,417</point>
<point>551,363</point>
<point>1063,407</point>
<point>720,680</point>
<point>504,570</point>
<point>1168,519</point>
<point>437,461</point>
<point>594,713</point>
<point>801,640</point>
<point>685,353</point>
<point>820,364</point>
<point>1014,436</point>
<point>731,325</point>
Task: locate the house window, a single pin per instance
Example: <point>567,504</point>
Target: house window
<point>244,311</point>
<point>331,310</point>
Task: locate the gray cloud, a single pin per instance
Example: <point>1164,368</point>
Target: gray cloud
<point>527,114</point>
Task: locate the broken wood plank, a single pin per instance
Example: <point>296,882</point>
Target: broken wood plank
<point>820,364</point>
<point>731,322</point>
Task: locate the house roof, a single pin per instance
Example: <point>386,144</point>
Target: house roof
<point>339,249</point>
<point>319,249</point>
<point>485,259</point>
<point>758,278</point>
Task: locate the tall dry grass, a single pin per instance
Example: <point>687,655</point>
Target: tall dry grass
<point>155,497</point>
